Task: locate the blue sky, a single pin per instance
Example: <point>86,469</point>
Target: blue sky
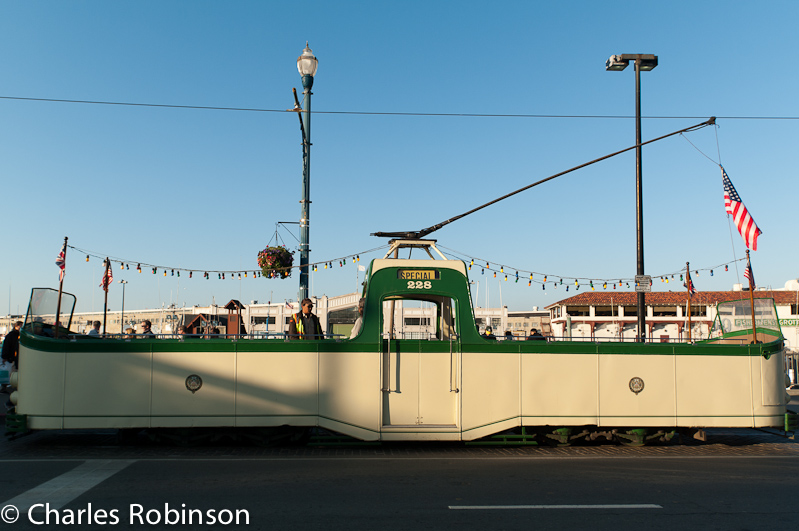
<point>203,189</point>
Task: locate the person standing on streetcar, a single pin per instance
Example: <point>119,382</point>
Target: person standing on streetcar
<point>304,324</point>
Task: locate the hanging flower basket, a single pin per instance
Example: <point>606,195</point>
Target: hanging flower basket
<point>276,262</point>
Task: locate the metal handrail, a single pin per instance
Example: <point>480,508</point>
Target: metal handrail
<point>452,337</point>
<point>386,366</point>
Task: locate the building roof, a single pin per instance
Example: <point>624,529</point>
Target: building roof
<point>667,298</point>
<point>234,305</point>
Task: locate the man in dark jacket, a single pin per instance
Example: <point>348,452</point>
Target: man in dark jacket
<point>535,335</point>
<point>11,345</point>
<point>489,333</point>
<point>146,330</point>
<point>304,324</point>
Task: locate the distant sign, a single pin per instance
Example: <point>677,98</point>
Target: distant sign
<point>643,283</point>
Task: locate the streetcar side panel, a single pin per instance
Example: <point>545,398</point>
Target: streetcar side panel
<point>636,390</point>
<point>40,387</point>
<point>490,392</point>
<point>193,389</point>
<point>107,389</point>
<point>349,393</point>
<point>276,388</point>
<point>714,390</point>
<point>560,388</point>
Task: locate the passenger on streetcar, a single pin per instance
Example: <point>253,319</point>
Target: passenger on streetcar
<point>95,331</point>
<point>356,328</point>
<point>304,324</point>
<point>146,330</point>
<point>535,335</point>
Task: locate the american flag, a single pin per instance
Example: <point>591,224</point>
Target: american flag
<point>740,215</point>
<point>288,306</point>
<point>748,274</point>
<point>61,261</point>
<point>108,278</point>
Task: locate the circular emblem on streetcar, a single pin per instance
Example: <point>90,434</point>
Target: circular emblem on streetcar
<point>636,384</point>
<point>194,382</point>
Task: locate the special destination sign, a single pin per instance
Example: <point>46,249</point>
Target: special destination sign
<point>417,274</point>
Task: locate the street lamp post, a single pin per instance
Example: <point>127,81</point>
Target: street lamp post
<point>122,317</point>
<point>306,64</point>
<point>643,62</point>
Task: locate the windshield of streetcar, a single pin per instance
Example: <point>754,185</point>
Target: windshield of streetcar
<point>736,316</point>
<point>42,309</point>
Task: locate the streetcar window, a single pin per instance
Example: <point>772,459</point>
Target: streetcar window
<point>430,319</point>
<point>340,322</point>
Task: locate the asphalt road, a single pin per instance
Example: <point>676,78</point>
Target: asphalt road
<point>740,479</point>
<point>370,492</point>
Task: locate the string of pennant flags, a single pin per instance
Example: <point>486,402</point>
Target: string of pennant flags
<point>221,274</point>
<point>485,267</point>
<point>497,270</point>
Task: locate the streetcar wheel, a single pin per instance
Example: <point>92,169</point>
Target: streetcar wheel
<point>556,438</point>
<point>635,437</point>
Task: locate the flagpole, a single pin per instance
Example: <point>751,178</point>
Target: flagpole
<point>688,303</point>
<point>751,296</point>
<point>60,289</point>
<point>105,288</point>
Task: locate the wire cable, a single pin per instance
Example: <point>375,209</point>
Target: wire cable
<point>386,113</point>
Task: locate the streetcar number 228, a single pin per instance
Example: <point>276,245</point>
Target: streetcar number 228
<point>418,284</point>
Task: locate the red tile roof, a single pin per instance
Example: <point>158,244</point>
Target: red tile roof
<point>658,298</point>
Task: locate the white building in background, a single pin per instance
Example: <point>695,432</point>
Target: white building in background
<point>606,315</point>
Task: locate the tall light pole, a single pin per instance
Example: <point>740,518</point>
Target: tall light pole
<point>643,62</point>
<point>306,64</point>
<point>122,318</point>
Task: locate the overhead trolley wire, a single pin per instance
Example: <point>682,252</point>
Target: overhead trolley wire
<point>387,113</point>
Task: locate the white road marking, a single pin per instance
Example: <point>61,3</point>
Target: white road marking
<point>61,490</point>
<point>605,506</point>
